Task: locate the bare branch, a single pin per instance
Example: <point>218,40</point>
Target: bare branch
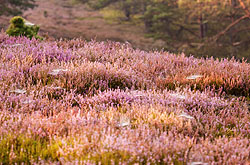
<point>215,38</point>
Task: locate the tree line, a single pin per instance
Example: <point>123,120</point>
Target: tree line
<point>218,28</point>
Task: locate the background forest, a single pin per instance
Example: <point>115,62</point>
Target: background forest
<point>219,28</point>
<point>201,27</point>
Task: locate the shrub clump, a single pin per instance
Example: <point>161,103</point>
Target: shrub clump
<point>20,27</point>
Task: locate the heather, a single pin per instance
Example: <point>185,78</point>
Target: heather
<point>78,102</point>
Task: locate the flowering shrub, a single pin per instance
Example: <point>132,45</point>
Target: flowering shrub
<point>103,102</point>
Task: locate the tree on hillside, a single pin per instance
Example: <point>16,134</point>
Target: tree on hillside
<point>15,7</point>
<point>207,27</point>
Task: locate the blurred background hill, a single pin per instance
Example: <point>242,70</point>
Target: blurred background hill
<point>69,19</point>
<point>202,28</point>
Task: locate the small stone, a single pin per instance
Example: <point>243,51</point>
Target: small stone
<point>193,77</point>
<point>178,96</point>
<point>124,124</point>
<point>14,45</point>
<point>55,72</point>
<point>55,88</point>
<point>184,115</point>
<point>18,91</point>
<point>124,121</point>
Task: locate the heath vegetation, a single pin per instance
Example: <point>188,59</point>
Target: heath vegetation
<point>105,102</point>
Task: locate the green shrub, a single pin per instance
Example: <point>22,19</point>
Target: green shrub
<point>18,27</point>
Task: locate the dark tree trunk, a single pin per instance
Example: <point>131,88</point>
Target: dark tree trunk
<point>127,14</point>
<point>202,27</point>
